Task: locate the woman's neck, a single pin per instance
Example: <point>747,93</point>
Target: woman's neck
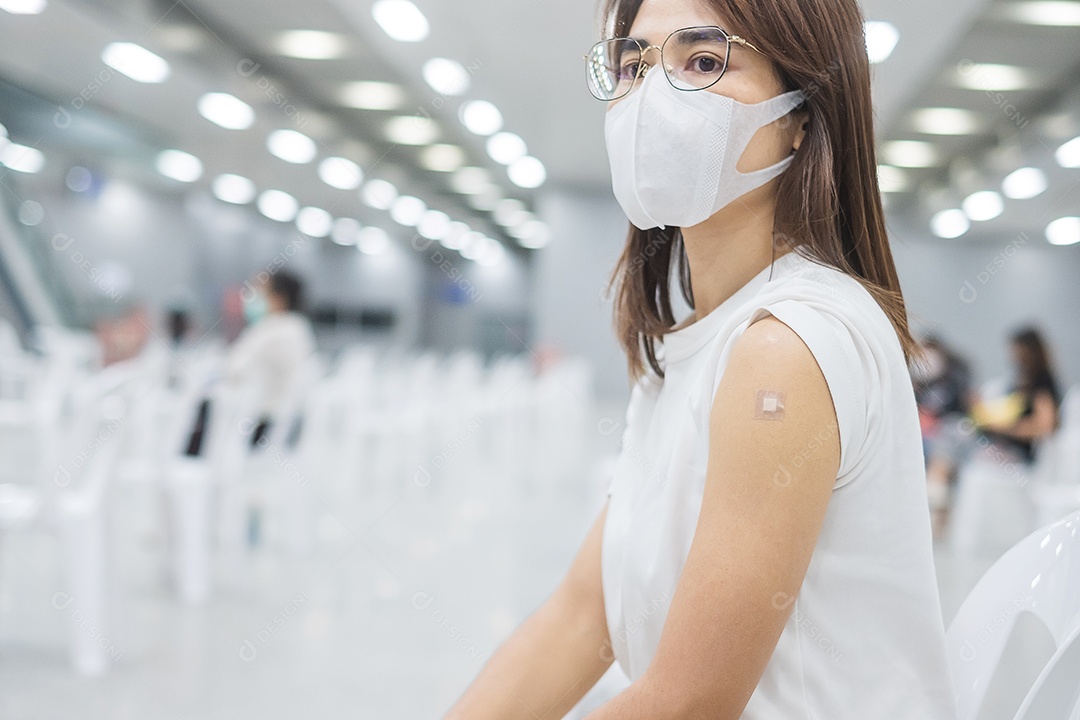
<point>726,251</point>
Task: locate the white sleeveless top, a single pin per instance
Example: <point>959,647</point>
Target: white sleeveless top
<point>865,637</point>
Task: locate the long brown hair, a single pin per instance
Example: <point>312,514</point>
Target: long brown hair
<point>828,203</point>
<point>1033,359</point>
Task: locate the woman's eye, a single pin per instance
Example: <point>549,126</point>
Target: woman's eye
<point>629,70</point>
<point>705,64</point>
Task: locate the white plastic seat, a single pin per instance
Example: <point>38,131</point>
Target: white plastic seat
<point>992,508</point>
<point>1039,575</point>
<point>1056,490</point>
<point>73,425</point>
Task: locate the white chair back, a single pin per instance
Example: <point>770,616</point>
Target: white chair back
<point>1039,575</point>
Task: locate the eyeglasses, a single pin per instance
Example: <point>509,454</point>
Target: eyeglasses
<point>694,58</point>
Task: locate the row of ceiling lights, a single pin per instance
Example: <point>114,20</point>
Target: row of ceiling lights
<point>312,221</point>
<point>1025,183</point>
<point>399,19</point>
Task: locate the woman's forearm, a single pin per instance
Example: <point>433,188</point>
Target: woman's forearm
<point>543,669</point>
<point>557,654</point>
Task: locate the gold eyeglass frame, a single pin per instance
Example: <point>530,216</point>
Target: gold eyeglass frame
<point>644,68</point>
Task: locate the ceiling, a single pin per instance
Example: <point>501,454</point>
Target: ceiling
<point>1016,128</point>
<point>523,56</point>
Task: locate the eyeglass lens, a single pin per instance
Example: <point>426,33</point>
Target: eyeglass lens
<point>693,58</point>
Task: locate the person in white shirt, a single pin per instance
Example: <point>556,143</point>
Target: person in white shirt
<point>275,345</point>
<point>765,549</point>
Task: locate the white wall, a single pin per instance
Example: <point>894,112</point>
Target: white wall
<point>973,294</point>
<point>572,309</point>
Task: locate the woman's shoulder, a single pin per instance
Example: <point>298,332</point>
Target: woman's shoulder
<point>816,287</point>
<point>799,273</point>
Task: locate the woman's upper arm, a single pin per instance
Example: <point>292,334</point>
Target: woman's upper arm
<point>1044,413</point>
<point>774,455</point>
<point>581,588</point>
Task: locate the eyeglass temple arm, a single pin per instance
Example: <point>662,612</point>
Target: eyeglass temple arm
<point>744,43</point>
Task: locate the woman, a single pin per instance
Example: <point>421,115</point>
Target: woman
<point>1037,399</point>
<point>765,548</point>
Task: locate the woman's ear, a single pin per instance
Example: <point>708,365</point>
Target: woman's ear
<point>802,124</point>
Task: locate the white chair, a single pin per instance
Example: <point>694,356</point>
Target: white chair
<point>992,507</point>
<point>1040,575</point>
<point>1056,491</point>
<point>75,427</point>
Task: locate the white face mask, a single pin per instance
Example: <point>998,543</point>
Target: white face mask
<point>673,153</point>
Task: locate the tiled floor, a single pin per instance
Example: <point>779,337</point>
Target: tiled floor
<point>389,618</point>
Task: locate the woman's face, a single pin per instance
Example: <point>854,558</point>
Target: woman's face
<point>750,76</point>
<point>1021,358</point>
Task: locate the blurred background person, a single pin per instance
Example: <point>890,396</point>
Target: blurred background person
<point>274,346</point>
<point>1028,412</point>
<point>942,389</point>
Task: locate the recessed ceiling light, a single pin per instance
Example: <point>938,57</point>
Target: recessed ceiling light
<point>136,62</point>
<point>486,199</point>
<point>472,245</point>
<point>481,117</point>
<point>446,76</point>
<point>22,158</point>
<point>1062,13</point>
<point>379,194</point>
<point>373,240</point>
<point>881,39</point>
<point>401,20</point>
<point>518,229</point>
<point>891,179</point>
<point>1068,155</point>
<point>1064,231</point>
<point>340,173</point>
<point>534,235</point>
<point>455,236</point>
<point>470,180</point>
<point>506,147</point>
<point>370,95</point>
<point>23,7</point>
<point>314,222</point>
<point>1024,184</point>
<point>310,44</point>
<point>945,121</point>
<point>278,205</point>
<point>527,172</point>
<point>235,189</point>
<point>509,212</point>
<point>179,165</point>
<point>407,210</point>
<point>411,130</point>
<point>442,157</point>
<point>291,146</point>
<point>345,231</point>
<point>491,252</point>
<point>993,77</point>
<point>226,110</point>
<point>434,225</point>
<point>984,205</point>
<point>949,224</point>
<point>910,153</point>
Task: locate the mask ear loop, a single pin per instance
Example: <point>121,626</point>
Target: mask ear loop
<point>772,261</point>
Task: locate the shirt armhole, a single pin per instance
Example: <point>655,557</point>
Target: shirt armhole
<point>833,347</point>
